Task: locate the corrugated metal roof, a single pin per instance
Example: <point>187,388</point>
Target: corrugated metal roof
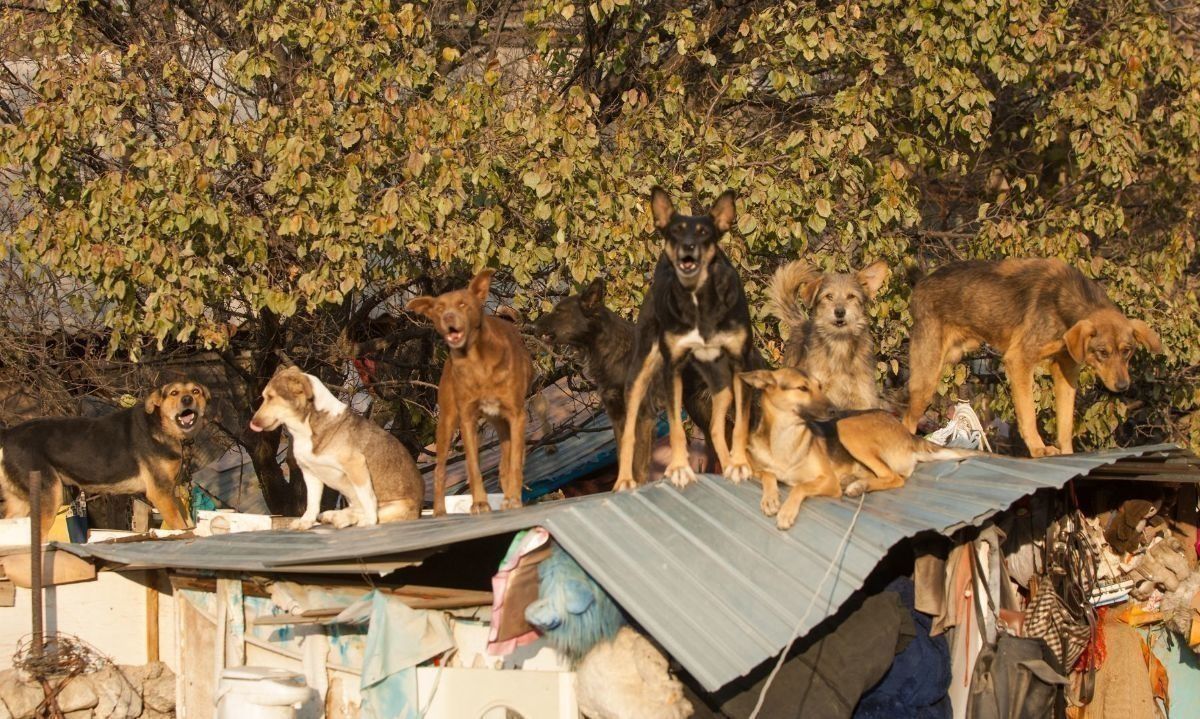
<point>589,447</point>
<point>701,569</point>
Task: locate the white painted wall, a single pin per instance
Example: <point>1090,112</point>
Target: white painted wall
<point>108,613</point>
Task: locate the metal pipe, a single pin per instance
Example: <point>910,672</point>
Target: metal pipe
<point>35,559</point>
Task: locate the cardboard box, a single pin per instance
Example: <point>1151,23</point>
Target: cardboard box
<point>58,567</point>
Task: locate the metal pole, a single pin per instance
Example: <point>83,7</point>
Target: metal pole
<point>35,558</point>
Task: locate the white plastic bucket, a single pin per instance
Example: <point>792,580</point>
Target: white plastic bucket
<point>261,693</point>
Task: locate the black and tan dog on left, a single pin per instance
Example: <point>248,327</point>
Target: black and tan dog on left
<point>695,315</point>
<point>138,450</point>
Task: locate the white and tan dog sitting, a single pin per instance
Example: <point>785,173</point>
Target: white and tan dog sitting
<point>339,449</point>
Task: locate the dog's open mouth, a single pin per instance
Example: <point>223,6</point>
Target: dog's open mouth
<point>455,337</point>
<point>687,265</point>
<point>187,419</point>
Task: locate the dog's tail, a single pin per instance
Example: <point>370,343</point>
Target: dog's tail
<point>399,510</point>
<point>927,451</point>
<point>782,302</point>
<point>540,407</point>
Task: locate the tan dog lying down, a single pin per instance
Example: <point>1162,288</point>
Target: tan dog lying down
<point>854,452</point>
<point>339,449</point>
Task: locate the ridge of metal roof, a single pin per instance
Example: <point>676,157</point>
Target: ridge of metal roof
<point>701,569</point>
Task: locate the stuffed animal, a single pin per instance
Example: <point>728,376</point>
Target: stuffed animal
<point>1164,566</point>
<point>628,677</point>
<point>619,673</point>
<point>572,612</point>
<point>1125,531</point>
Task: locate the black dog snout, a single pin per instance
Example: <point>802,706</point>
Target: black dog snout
<point>839,312</point>
<point>186,401</point>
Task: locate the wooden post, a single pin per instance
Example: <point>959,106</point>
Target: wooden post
<point>35,559</point>
<point>152,617</point>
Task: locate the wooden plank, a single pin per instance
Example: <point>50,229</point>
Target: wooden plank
<point>57,568</point>
<point>322,615</point>
<point>141,517</point>
<point>1148,468</point>
<point>8,594</point>
<point>151,619</point>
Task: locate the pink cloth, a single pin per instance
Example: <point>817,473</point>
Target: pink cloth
<point>518,558</point>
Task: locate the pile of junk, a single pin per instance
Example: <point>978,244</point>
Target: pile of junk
<point>1083,603</point>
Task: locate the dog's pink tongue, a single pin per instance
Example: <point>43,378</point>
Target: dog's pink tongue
<point>255,426</point>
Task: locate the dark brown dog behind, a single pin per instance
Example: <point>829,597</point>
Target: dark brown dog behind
<point>1028,310</point>
<point>131,451</point>
<point>604,341</point>
<point>486,375</point>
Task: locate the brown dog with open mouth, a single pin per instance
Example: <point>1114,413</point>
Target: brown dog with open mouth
<point>131,451</point>
<point>487,376</point>
<point>1028,310</point>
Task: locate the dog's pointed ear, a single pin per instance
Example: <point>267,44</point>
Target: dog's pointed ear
<point>723,211</point>
<point>660,207</point>
<point>1077,338</point>
<point>593,295</point>
<point>155,400</point>
<point>422,305</point>
<point>481,283</point>
<point>759,378</point>
<point>1146,336</point>
<point>810,289</point>
<point>873,276</point>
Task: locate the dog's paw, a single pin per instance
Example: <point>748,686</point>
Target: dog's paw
<point>738,471</point>
<point>855,488</point>
<point>439,510</point>
<point>787,517</point>
<point>770,503</point>
<point>680,475</point>
<point>624,485</point>
<point>480,507</point>
<point>1037,452</point>
<point>339,518</point>
<point>508,504</point>
<point>302,523</point>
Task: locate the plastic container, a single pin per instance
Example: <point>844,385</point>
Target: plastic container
<point>261,693</point>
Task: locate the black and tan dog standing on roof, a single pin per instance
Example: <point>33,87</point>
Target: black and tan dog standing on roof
<point>695,315</point>
<point>138,450</point>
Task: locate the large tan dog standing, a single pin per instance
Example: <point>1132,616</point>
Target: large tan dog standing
<point>339,449</point>
<point>1029,310</point>
<point>486,376</point>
